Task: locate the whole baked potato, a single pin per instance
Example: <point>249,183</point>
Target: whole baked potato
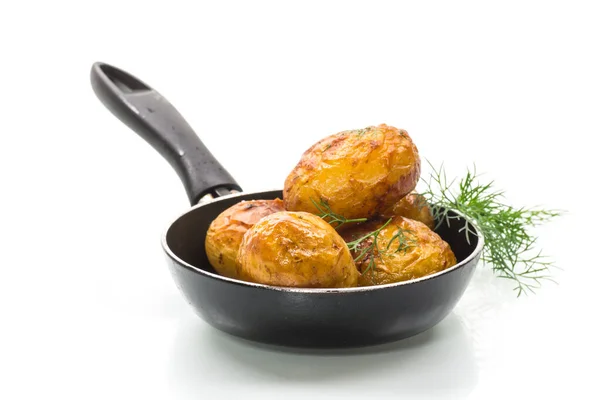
<point>358,173</point>
<point>406,250</point>
<point>296,249</point>
<point>227,230</point>
<point>413,206</point>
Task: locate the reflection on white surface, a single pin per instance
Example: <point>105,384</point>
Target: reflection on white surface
<point>439,361</point>
<point>482,304</point>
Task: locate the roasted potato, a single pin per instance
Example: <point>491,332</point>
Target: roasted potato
<point>417,252</point>
<point>227,230</point>
<point>358,173</point>
<point>296,249</point>
<point>413,206</point>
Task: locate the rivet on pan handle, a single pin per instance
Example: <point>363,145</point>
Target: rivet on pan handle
<point>152,117</point>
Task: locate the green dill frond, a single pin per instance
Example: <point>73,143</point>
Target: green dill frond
<point>367,246</point>
<point>510,247</point>
<point>335,220</point>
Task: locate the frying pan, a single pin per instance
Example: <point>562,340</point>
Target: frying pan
<point>298,317</point>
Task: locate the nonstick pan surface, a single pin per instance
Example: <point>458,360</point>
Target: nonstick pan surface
<point>318,318</point>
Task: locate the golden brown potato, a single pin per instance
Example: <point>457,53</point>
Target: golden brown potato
<point>413,206</point>
<point>424,252</point>
<point>296,249</point>
<point>359,173</point>
<point>227,230</point>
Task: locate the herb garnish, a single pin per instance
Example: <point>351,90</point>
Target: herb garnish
<point>367,246</point>
<point>336,220</point>
<point>360,132</point>
<point>509,246</point>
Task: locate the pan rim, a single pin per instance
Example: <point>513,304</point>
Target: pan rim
<point>474,254</point>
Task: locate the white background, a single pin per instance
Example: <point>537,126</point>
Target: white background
<point>88,309</point>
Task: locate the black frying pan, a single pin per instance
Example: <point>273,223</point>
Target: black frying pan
<point>346,317</point>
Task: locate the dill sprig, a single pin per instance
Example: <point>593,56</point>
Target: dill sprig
<point>510,247</point>
<point>335,220</point>
<point>404,242</point>
<point>367,246</point>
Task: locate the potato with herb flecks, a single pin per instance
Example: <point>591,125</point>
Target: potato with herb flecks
<point>413,206</point>
<point>227,230</point>
<point>358,173</point>
<point>296,249</point>
<point>405,249</point>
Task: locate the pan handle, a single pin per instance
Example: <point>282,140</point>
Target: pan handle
<point>152,117</point>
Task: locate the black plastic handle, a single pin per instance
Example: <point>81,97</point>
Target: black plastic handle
<point>152,117</point>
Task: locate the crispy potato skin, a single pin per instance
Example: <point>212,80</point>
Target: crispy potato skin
<point>360,173</point>
<point>428,255</point>
<point>225,233</point>
<point>296,249</point>
<point>413,206</point>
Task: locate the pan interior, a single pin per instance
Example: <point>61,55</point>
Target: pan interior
<point>185,238</point>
